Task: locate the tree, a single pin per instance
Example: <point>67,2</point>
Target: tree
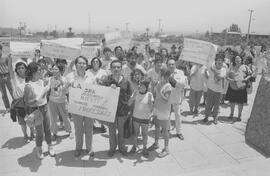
<point>234,28</point>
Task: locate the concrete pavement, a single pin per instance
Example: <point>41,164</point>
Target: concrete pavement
<point>208,149</point>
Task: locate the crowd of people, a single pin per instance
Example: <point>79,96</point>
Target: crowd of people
<point>153,84</point>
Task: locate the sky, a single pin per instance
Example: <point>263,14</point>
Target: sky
<point>176,16</point>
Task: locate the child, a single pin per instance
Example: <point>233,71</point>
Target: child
<point>162,109</point>
<point>58,101</point>
<point>142,111</point>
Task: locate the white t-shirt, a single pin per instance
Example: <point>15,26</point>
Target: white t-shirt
<point>213,84</point>
<point>18,85</point>
<point>74,79</point>
<point>126,71</point>
<point>106,64</point>
<point>100,74</point>
<point>141,109</point>
<point>178,91</point>
<point>39,90</point>
<point>197,81</point>
<point>58,90</point>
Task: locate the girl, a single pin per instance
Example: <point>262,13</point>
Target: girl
<point>58,101</point>
<point>142,111</point>
<point>162,109</point>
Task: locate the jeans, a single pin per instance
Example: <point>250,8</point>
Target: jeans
<point>83,126</point>
<point>44,127</point>
<point>5,81</point>
<point>119,125</point>
<point>58,109</point>
<point>144,127</point>
<point>212,100</point>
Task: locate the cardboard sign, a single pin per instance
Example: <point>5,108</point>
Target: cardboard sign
<point>119,38</point>
<point>198,51</point>
<point>94,101</point>
<point>154,43</point>
<point>89,52</point>
<point>23,49</point>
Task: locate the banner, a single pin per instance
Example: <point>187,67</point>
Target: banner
<point>154,43</point>
<point>23,49</point>
<point>198,51</point>
<point>119,38</point>
<point>63,48</point>
<point>94,101</point>
<point>89,52</point>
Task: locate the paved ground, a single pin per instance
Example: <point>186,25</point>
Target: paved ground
<point>208,149</point>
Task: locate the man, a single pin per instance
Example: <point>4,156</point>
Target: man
<point>177,81</point>
<point>116,79</point>
<point>131,65</point>
<point>119,53</point>
<point>5,80</point>
<point>107,59</point>
<point>215,84</point>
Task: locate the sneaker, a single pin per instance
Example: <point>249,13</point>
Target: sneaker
<point>239,119</point>
<point>196,111</point>
<point>153,147</point>
<point>111,153</point>
<point>230,117</point>
<point>26,138</point>
<point>77,153</point>
<point>32,137</point>
<point>205,119</point>
<point>215,121</point>
<point>51,151</point>
<point>39,153</point>
<point>133,150</point>
<point>61,126</point>
<point>163,153</point>
<point>180,136</point>
<point>145,153</point>
<point>91,153</point>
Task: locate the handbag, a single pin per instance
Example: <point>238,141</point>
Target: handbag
<point>34,119</point>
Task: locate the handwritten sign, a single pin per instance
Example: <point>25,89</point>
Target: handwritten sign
<point>89,52</point>
<point>23,49</point>
<point>119,38</point>
<point>94,101</point>
<point>198,51</point>
<point>154,43</point>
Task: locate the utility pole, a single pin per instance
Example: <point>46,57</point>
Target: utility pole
<point>159,26</point>
<point>249,22</point>
<point>127,26</point>
<point>89,23</point>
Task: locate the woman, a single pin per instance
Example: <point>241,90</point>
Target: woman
<point>18,84</point>
<point>83,125</point>
<point>35,97</point>
<point>99,77</point>
<point>58,101</point>
<point>238,76</point>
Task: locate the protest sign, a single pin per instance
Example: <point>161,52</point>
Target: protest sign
<point>118,38</point>
<point>23,49</point>
<point>198,51</point>
<point>63,48</point>
<point>94,101</point>
<point>154,43</point>
<point>89,52</point>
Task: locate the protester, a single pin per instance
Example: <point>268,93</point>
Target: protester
<point>162,109</point>
<point>217,74</point>
<point>238,77</point>
<point>58,101</point>
<point>18,84</point>
<point>5,80</point>
<point>107,59</point>
<point>35,92</point>
<point>116,79</point>
<point>83,125</point>
<point>143,100</point>
<point>165,55</point>
<point>99,77</point>
<point>119,53</point>
<point>198,75</point>
<point>131,65</point>
<point>178,83</point>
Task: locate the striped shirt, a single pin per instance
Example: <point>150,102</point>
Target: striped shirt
<point>4,65</point>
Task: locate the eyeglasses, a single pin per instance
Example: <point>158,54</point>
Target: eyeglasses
<point>113,67</point>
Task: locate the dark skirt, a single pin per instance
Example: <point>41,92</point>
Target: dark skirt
<point>236,96</point>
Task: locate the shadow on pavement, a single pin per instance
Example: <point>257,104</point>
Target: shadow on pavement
<point>30,160</point>
<point>14,143</point>
<point>225,119</point>
<point>68,159</point>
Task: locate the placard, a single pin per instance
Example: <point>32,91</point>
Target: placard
<point>197,51</point>
<point>94,101</point>
<point>154,43</point>
<point>23,49</point>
